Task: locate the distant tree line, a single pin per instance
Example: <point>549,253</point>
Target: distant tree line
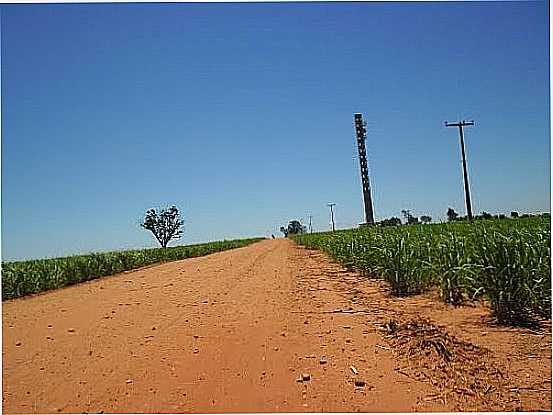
<point>452,216</point>
<point>408,217</point>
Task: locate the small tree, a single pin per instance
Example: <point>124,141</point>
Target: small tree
<point>409,219</point>
<point>294,227</point>
<point>451,215</point>
<point>393,221</point>
<point>514,214</point>
<point>426,219</point>
<point>486,215</point>
<point>165,225</point>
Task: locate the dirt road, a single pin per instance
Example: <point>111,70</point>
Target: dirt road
<point>230,332</point>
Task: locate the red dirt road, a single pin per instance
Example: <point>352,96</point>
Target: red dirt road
<point>229,332</point>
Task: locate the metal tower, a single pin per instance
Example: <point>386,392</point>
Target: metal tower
<point>361,133</point>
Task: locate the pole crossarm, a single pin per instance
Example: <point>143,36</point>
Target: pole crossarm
<point>459,124</point>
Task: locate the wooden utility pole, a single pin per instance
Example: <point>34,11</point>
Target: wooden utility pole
<point>310,229</point>
<point>331,205</point>
<point>361,132</point>
<point>460,125</point>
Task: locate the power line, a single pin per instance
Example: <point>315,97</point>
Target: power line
<point>460,125</point>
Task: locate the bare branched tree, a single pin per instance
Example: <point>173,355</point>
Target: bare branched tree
<point>165,225</point>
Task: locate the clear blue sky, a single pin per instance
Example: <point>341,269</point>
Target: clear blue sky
<point>242,116</point>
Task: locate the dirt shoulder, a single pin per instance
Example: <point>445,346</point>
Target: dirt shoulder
<point>471,363</point>
<point>233,332</point>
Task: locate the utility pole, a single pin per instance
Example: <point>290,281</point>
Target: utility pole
<point>310,229</point>
<point>361,133</point>
<point>465,174</point>
<point>331,205</point>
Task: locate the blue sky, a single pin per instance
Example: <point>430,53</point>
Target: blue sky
<point>242,116</point>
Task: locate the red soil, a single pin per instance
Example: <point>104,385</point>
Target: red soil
<point>233,332</point>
